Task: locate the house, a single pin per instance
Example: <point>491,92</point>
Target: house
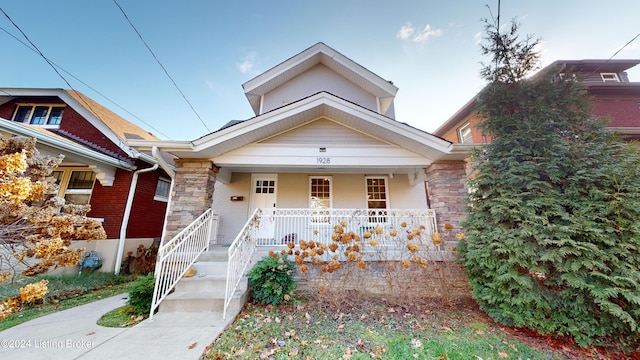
<point>127,189</point>
<point>323,149</point>
<point>324,137</point>
<point>615,98</point>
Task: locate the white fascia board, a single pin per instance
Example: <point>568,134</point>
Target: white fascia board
<point>164,145</point>
<point>319,51</point>
<point>314,101</point>
<point>62,145</point>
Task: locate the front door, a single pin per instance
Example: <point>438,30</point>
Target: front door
<point>263,196</point>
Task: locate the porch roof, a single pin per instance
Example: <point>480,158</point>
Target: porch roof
<point>320,105</point>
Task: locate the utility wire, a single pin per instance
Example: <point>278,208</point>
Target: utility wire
<point>159,63</point>
<point>48,61</point>
<point>87,85</point>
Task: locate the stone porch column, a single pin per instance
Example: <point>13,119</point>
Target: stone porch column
<point>448,195</point>
<point>192,193</point>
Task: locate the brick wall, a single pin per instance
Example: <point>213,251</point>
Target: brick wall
<point>445,280</point>
<point>192,193</point>
<point>147,214</point>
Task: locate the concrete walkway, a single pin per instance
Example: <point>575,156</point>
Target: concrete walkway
<point>74,334</point>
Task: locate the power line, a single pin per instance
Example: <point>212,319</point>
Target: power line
<point>47,60</point>
<point>159,63</point>
<point>624,46</point>
<point>89,86</point>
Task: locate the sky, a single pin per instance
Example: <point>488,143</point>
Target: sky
<point>429,49</point>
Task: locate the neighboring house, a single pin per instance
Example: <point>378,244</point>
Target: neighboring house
<point>614,98</point>
<point>99,168</point>
<point>324,138</point>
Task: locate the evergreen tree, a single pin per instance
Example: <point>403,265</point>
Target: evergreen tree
<point>553,234</point>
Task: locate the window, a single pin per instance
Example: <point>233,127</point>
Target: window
<point>377,198</point>
<point>320,198</point>
<point>39,114</point>
<point>464,134</point>
<point>162,190</point>
<point>610,77</point>
<point>79,187</point>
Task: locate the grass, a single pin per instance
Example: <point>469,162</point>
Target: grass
<point>125,316</point>
<point>316,331</point>
<point>65,291</point>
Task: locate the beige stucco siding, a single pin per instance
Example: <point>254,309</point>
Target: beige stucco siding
<point>233,214</point>
<point>348,191</point>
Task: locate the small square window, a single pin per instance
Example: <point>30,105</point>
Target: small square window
<point>610,77</point>
<point>162,190</point>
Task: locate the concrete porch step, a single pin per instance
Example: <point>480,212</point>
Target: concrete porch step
<point>203,301</point>
<point>205,291</point>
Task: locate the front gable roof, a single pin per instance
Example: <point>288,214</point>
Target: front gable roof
<point>317,106</point>
<point>319,54</point>
<point>114,127</point>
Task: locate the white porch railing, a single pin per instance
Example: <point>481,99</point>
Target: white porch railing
<point>280,226</point>
<point>178,254</point>
<point>240,254</point>
<point>276,227</point>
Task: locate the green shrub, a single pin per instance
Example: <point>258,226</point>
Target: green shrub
<point>141,293</point>
<point>553,238</point>
<point>271,280</point>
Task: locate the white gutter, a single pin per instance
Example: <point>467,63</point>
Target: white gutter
<point>60,144</point>
<point>172,174</point>
<point>127,213</point>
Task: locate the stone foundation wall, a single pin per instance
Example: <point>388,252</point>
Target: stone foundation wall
<point>446,280</point>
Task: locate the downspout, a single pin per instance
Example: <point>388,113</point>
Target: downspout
<point>127,214</point>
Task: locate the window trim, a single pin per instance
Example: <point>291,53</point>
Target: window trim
<point>330,178</point>
<point>386,190</point>
<point>463,128</point>
<point>613,77</point>
<point>162,198</point>
<point>33,106</point>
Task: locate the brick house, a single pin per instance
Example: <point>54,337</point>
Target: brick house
<point>615,98</point>
<point>99,168</point>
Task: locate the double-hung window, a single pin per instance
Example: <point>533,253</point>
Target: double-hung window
<point>320,197</point>
<point>377,199</point>
<point>79,187</point>
<point>39,114</point>
<point>464,134</point>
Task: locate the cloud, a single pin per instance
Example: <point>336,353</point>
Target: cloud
<point>409,33</point>
<point>406,31</point>
<point>478,38</point>
<point>248,65</point>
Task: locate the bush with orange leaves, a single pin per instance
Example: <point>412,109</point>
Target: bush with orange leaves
<point>408,246</point>
<point>35,231</point>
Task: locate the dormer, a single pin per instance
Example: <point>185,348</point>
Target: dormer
<point>320,69</point>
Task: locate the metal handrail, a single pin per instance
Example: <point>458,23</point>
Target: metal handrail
<point>178,254</point>
<point>240,256</point>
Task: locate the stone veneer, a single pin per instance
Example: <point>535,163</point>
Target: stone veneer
<point>192,193</point>
<point>448,194</point>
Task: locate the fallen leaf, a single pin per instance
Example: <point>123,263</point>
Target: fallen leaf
<point>503,354</point>
<point>91,333</point>
<point>193,345</point>
<point>347,354</point>
<point>513,347</point>
<point>293,351</point>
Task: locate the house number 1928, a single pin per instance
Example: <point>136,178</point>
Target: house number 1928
<point>323,160</point>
